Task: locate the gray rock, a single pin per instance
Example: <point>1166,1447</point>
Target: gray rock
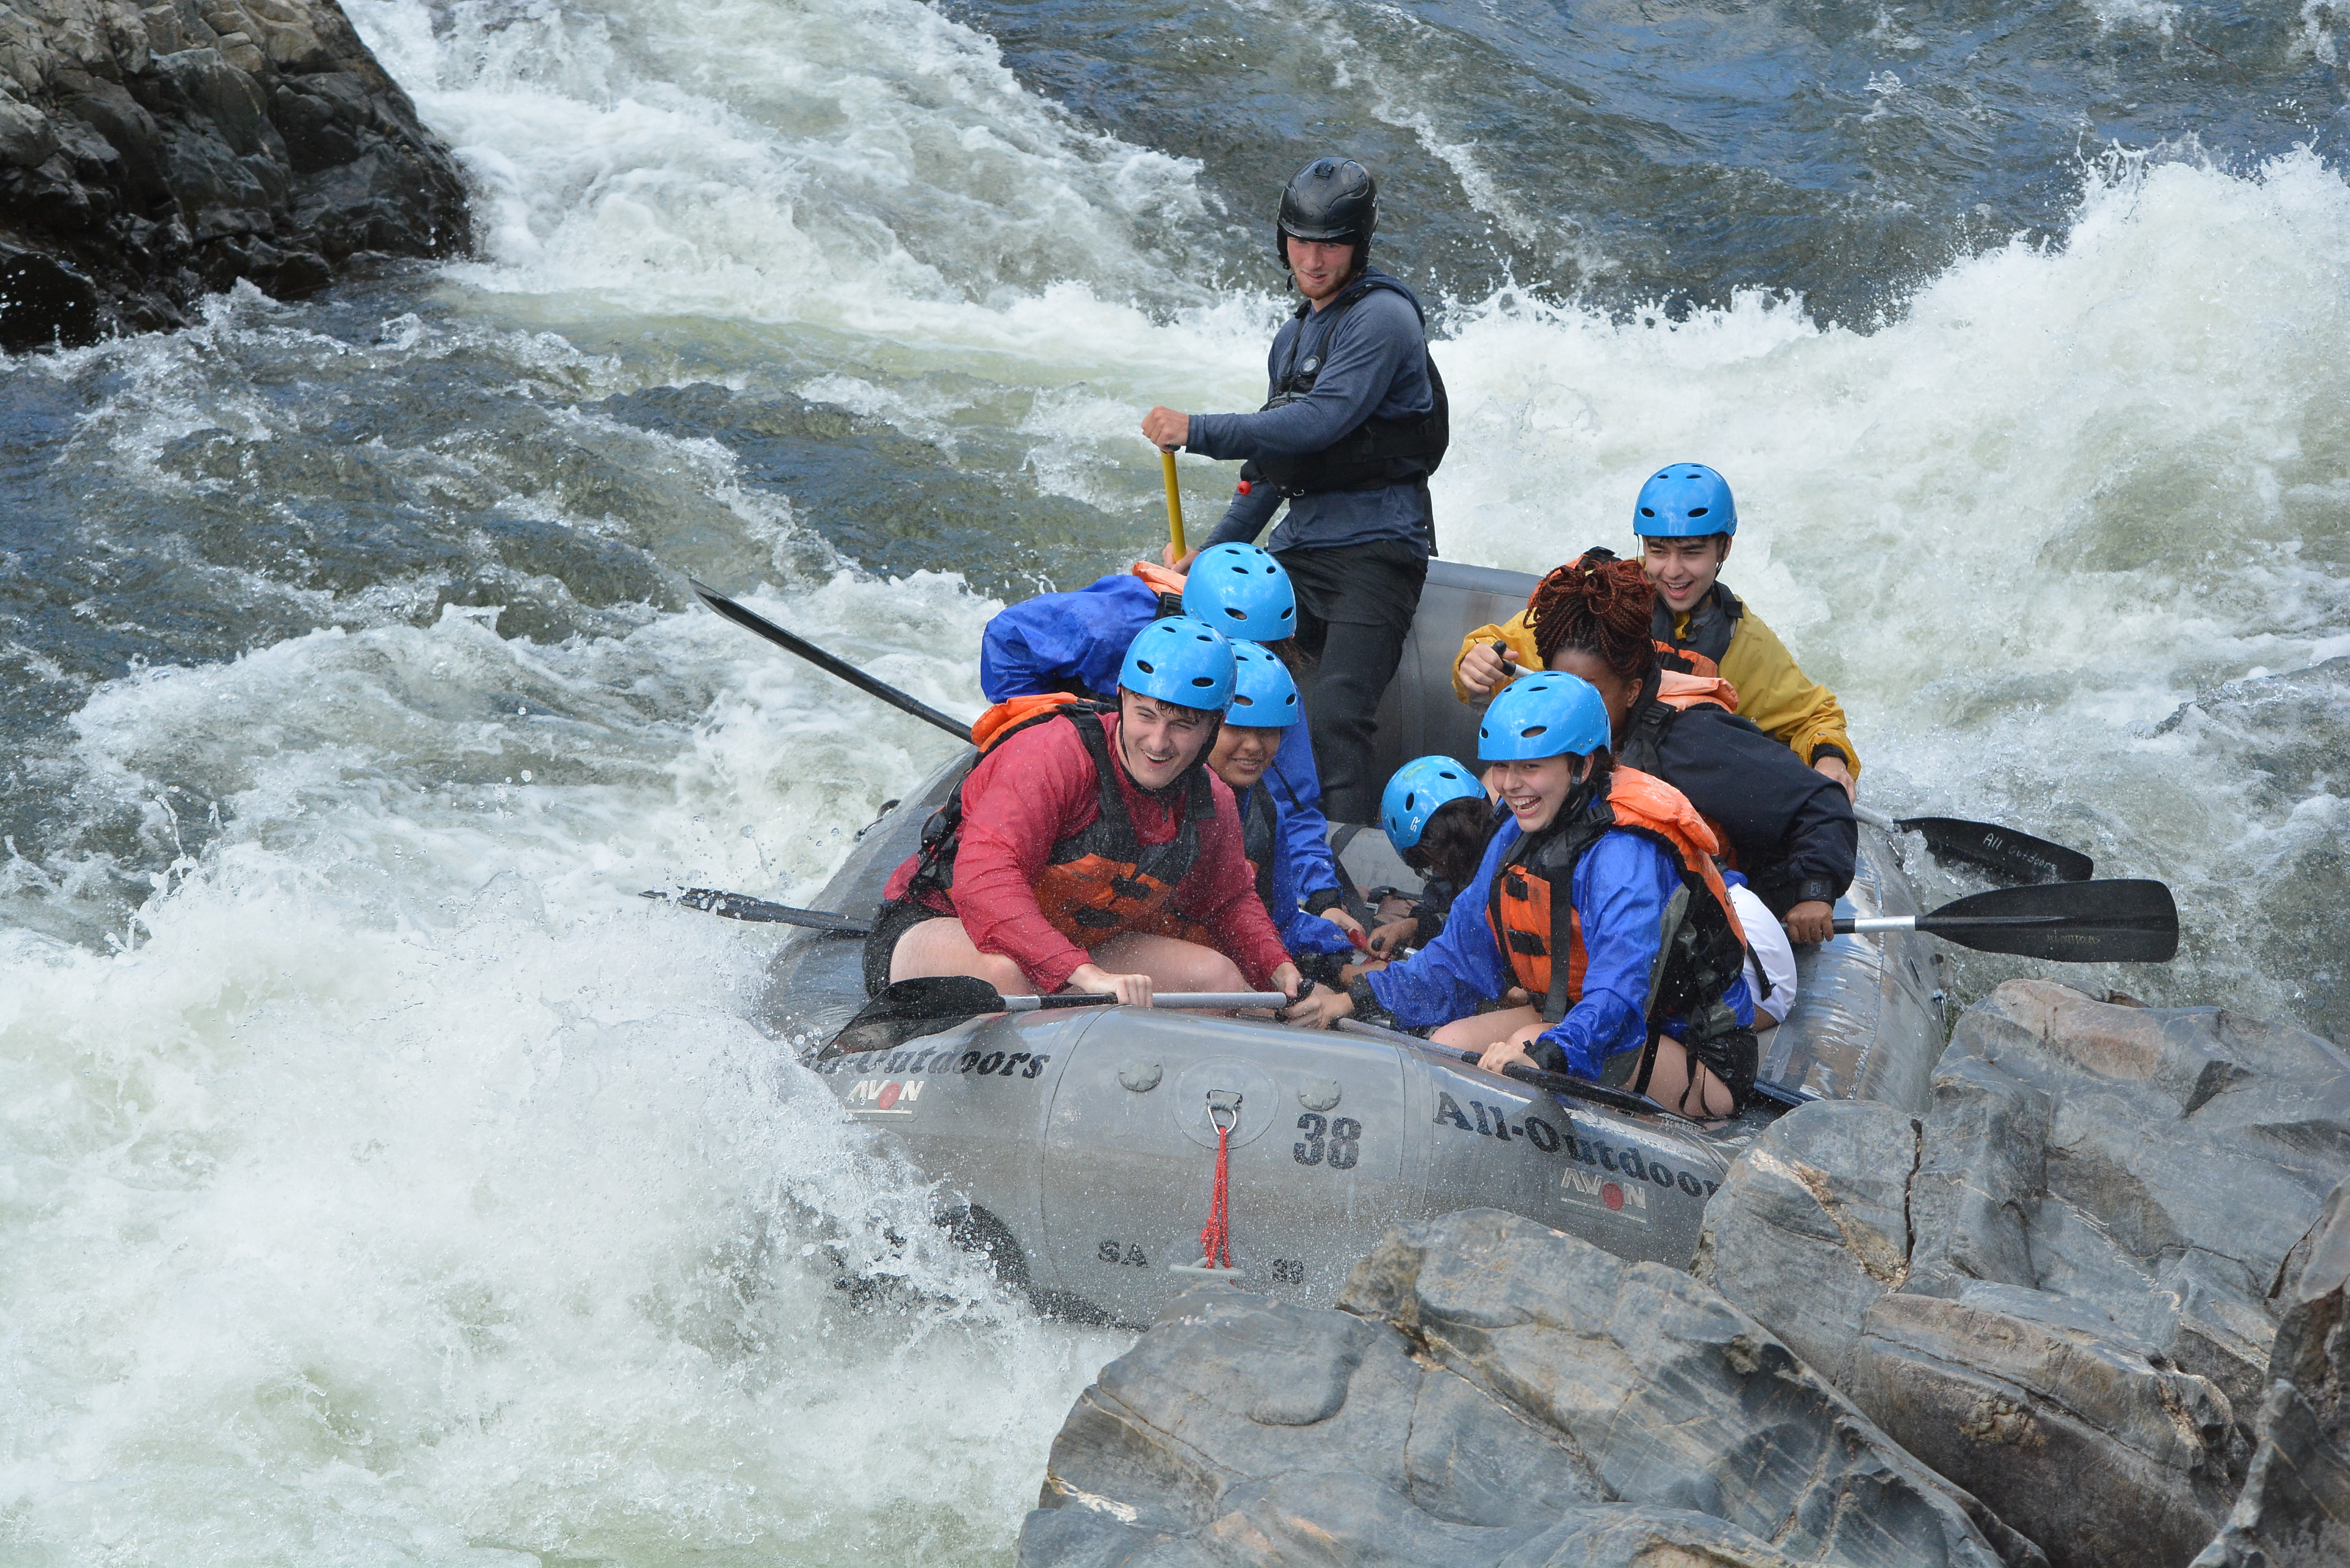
<point>2097,1452</point>
<point>1813,1219</point>
<point>2102,1200</point>
<point>148,155</point>
<point>2294,1509</point>
<point>1489,1392</point>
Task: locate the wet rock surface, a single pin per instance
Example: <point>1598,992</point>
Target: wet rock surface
<point>1487,1392</point>
<point>2294,1509</point>
<point>150,154</point>
<point>2093,1306</point>
<point>2067,1307</point>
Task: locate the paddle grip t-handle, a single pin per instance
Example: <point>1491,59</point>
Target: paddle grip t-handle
<point>1174,506</point>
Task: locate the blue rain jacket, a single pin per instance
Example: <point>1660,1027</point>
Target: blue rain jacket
<point>1621,886</point>
<point>1045,643</point>
<point>1300,932</point>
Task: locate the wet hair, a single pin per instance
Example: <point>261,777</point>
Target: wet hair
<point>1597,605</point>
<point>1452,841</point>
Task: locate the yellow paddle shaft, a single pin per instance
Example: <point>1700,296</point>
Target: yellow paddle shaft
<point>1174,504</point>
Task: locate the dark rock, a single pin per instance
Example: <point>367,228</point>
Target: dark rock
<point>155,153</point>
<point>1489,1392</point>
<point>2294,1509</point>
<point>2101,1199</point>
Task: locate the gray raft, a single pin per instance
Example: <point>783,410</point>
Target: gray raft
<point>1077,1147</point>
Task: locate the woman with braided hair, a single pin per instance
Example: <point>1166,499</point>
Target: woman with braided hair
<point>1787,827</point>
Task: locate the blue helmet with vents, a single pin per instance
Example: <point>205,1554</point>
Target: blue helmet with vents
<point>1419,787</point>
<point>1544,714</point>
<point>1181,661</point>
<point>1242,592</point>
<point>1263,695</point>
<point>1684,501</point>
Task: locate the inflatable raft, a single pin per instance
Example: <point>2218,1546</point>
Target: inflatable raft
<point>1078,1148</point>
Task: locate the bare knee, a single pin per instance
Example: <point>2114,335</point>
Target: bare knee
<point>1002,974</point>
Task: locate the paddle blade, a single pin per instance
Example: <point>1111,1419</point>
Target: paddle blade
<point>743,907</point>
<point>2119,921</point>
<point>2018,856</point>
<point>910,1008</point>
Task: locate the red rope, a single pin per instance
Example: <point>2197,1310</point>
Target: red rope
<point>1216,1235</point>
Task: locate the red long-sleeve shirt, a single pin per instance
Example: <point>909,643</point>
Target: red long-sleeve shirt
<point>1038,788</point>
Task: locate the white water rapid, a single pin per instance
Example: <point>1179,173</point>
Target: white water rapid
<point>397,1188</point>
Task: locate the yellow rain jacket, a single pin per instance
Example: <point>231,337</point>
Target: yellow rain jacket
<point>1773,692</point>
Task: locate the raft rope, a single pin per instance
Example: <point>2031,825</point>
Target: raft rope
<point>1216,1235</point>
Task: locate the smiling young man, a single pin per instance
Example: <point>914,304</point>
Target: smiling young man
<point>1354,424</point>
<point>1090,849</point>
<point>1686,520</point>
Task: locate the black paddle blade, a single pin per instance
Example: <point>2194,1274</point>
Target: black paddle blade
<point>2120,922</point>
<point>751,621</point>
<point>743,907</point>
<point>2018,856</point>
<point>910,1008</point>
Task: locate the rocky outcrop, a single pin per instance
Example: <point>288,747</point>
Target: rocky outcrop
<point>2059,1286</point>
<point>1493,1393</point>
<point>152,153</point>
<point>2295,1510</point>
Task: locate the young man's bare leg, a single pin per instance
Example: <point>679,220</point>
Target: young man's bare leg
<point>943,947</point>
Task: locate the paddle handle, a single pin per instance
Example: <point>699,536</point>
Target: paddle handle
<point>1874,818</point>
<point>1174,504</point>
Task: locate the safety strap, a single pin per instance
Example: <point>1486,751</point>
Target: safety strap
<point>1216,1235</point>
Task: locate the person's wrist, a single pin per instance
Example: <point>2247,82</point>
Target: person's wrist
<point>1814,890</point>
<point>1322,899</point>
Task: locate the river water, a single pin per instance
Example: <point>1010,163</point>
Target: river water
<point>382,1183</point>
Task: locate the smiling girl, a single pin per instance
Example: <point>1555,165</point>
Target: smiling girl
<point>1597,873</point>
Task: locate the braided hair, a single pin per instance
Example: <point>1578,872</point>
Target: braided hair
<point>1597,605</point>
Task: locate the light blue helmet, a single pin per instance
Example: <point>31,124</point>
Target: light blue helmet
<point>1181,661</point>
<point>1684,501</point>
<point>1419,787</point>
<point>1546,714</point>
<point>1264,696</point>
<point>1242,592</point>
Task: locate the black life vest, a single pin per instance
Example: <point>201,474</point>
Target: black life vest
<point>1377,452</point>
<point>1260,825</point>
<point>1714,621</point>
<point>1664,697</point>
<point>1102,879</point>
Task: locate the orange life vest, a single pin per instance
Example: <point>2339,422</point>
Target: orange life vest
<point>1689,661</point>
<point>1101,880</point>
<point>1532,908</point>
<point>1160,578</point>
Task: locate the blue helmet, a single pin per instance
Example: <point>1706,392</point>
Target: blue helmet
<point>1181,661</point>
<point>1264,696</point>
<point>1242,591</point>
<point>1419,787</point>
<point>1684,501</point>
<point>1546,714</point>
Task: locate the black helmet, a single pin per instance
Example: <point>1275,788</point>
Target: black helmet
<point>1331,199</point>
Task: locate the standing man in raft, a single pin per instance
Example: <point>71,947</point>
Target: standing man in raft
<point>1355,423</point>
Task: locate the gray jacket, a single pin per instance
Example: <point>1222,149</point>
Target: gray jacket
<point>1374,363</point>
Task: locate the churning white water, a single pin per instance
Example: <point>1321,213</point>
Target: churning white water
<point>397,1188</point>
